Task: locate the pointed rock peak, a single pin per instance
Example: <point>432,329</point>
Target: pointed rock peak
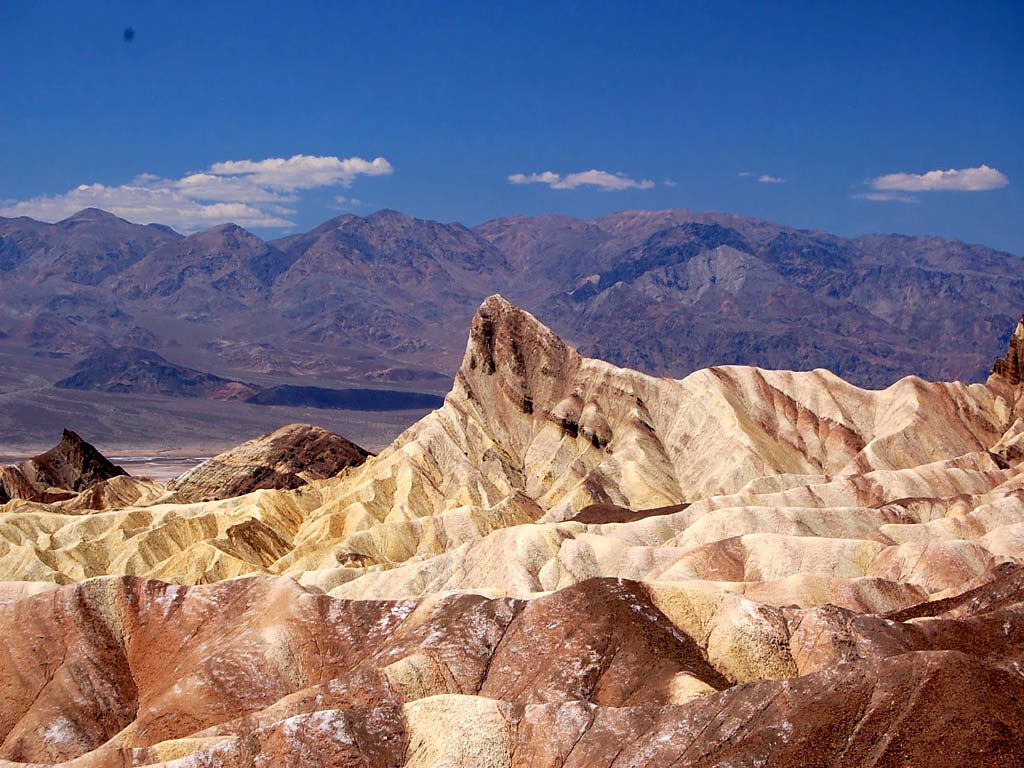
<point>73,464</point>
<point>386,214</point>
<point>69,439</point>
<point>512,350</point>
<point>226,233</point>
<point>1010,367</point>
<point>91,214</point>
<point>225,229</point>
<point>500,322</point>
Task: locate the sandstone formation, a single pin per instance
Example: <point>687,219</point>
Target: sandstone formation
<point>568,564</point>
<point>767,476</point>
<point>286,458</point>
<point>71,466</point>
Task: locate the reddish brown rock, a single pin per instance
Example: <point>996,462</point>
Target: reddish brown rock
<point>613,513</point>
<point>71,466</point>
<point>286,458</point>
<point>129,672</point>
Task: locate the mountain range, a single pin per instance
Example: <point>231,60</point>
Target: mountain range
<point>381,300</point>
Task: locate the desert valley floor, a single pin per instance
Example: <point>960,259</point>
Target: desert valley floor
<point>567,564</point>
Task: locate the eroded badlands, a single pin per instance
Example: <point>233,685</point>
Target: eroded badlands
<point>568,563</point>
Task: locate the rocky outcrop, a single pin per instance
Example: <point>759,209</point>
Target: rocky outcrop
<point>287,458</point>
<point>71,466</point>
<point>1010,368</point>
<point>72,463</point>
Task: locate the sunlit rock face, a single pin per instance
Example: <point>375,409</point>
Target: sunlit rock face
<point>568,564</point>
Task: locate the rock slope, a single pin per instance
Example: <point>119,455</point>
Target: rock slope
<point>784,475</point>
<point>567,564</point>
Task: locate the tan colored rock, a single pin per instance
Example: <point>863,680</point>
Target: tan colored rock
<point>458,731</point>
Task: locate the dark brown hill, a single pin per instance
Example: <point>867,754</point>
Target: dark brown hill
<point>286,458</point>
<point>134,370</point>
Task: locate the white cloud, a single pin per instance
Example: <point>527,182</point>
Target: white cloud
<point>887,197</point>
<point>603,180</point>
<point>671,183</point>
<point>763,178</point>
<point>302,171</point>
<point>207,186</point>
<point>148,203</point>
<point>348,202</point>
<point>249,193</point>
<point>978,179</point>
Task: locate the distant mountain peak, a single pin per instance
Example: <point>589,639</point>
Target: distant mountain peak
<point>228,228</point>
<point>92,214</point>
<point>389,213</point>
<point>165,229</point>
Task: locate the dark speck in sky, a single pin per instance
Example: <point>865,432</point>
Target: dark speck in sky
<point>129,34</point>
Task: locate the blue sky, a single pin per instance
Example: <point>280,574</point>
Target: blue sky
<point>668,102</point>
